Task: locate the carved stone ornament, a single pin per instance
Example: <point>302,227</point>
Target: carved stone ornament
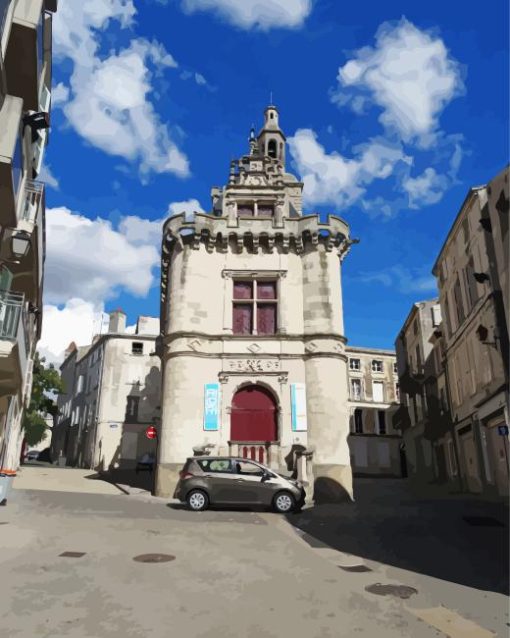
<point>253,365</point>
<point>254,348</point>
<point>310,347</point>
<point>195,345</point>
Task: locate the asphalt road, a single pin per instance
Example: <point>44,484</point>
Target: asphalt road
<point>234,574</point>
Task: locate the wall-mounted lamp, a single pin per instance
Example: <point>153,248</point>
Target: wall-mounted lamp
<point>37,122</point>
<point>20,243</point>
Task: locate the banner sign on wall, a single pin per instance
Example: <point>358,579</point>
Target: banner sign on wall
<point>211,406</point>
<point>298,407</point>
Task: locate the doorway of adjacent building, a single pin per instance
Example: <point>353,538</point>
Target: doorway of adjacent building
<point>253,421</point>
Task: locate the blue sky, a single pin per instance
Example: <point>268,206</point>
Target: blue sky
<point>392,111</point>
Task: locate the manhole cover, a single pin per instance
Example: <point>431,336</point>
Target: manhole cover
<point>401,591</point>
<point>72,554</point>
<point>154,558</point>
<point>355,568</point>
<point>483,521</point>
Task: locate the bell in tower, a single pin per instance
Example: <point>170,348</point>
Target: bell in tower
<point>271,139</point>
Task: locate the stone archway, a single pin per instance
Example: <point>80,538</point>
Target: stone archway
<point>253,421</point>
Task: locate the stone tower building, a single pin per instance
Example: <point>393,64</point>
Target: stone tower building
<point>252,334</point>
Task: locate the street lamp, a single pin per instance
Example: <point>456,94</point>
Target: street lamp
<point>20,243</point>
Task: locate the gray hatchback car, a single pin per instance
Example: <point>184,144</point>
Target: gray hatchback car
<point>222,480</point>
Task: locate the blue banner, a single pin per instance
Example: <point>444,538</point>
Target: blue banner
<point>211,406</point>
<point>298,407</point>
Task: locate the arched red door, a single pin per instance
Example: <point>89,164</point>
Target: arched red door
<point>253,416</point>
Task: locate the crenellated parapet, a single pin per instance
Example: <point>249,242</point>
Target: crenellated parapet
<point>256,234</point>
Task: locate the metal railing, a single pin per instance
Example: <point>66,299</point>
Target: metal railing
<point>11,311</point>
<point>33,195</point>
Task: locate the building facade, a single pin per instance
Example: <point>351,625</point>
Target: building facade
<point>25,97</point>
<point>252,336</point>
<point>471,275</point>
<point>456,434</point>
<point>373,391</point>
<point>111,395</point>
<point>413,347</point>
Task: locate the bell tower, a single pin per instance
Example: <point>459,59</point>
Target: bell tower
<point>271,139</point>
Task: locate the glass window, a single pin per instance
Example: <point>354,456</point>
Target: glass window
<point>17,165</point>
<point>395,368</point>
<point>377,365</point>
<point>354,364</point>
<point>265,210</point>
<point>258,310</point>
<point>245,467</point>
<point>216,465</point>
<point>378,391</point>
<point>132,408</point>
<point>356,389</point>
<point>137,347</point>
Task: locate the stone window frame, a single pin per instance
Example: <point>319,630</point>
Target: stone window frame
<point>229,275</point>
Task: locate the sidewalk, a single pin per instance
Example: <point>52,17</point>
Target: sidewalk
<point>61,479</point>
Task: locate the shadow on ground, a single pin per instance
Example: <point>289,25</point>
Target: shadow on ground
<point>143,480</point>
<point>458,539</point>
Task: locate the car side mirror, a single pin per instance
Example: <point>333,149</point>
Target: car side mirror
<point>265,477</point>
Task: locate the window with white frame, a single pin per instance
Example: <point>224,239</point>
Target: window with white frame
<point>354,364</point>
<point>356,389</point>
<point>377,365</point>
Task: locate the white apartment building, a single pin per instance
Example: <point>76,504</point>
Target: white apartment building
<point>375,445</point>
<point>25,98</point>
<point>112,392</point>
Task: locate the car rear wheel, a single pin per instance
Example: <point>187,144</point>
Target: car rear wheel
<point>197,500</point>
<point>284,502</point>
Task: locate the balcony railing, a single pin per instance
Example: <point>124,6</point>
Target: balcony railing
<point>14,325</point>
<point>34,192</point>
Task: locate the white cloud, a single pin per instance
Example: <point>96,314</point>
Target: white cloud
<point>59,94</point>
<point>405,280</point>
<point>260,14</point>
<point>74,321</point>
<point>409,73</point>
<point>48,178</point>
<point>330,178</point>
<point>427,188</point>
<point>91,257</point>
<point>140,231</point>
<point>109,102</point>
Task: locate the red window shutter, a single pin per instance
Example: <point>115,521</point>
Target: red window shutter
<point>266,290</point>
<point>243,290</point>
<point>266,319</point>
<point>243,319</point>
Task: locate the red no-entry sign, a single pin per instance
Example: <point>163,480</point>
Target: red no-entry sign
<point>151,432</point>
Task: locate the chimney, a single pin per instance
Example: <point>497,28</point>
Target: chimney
<point>70,348</point>
<point>117,322</point>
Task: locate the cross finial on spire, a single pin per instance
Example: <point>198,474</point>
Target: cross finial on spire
<point>270,97</point>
